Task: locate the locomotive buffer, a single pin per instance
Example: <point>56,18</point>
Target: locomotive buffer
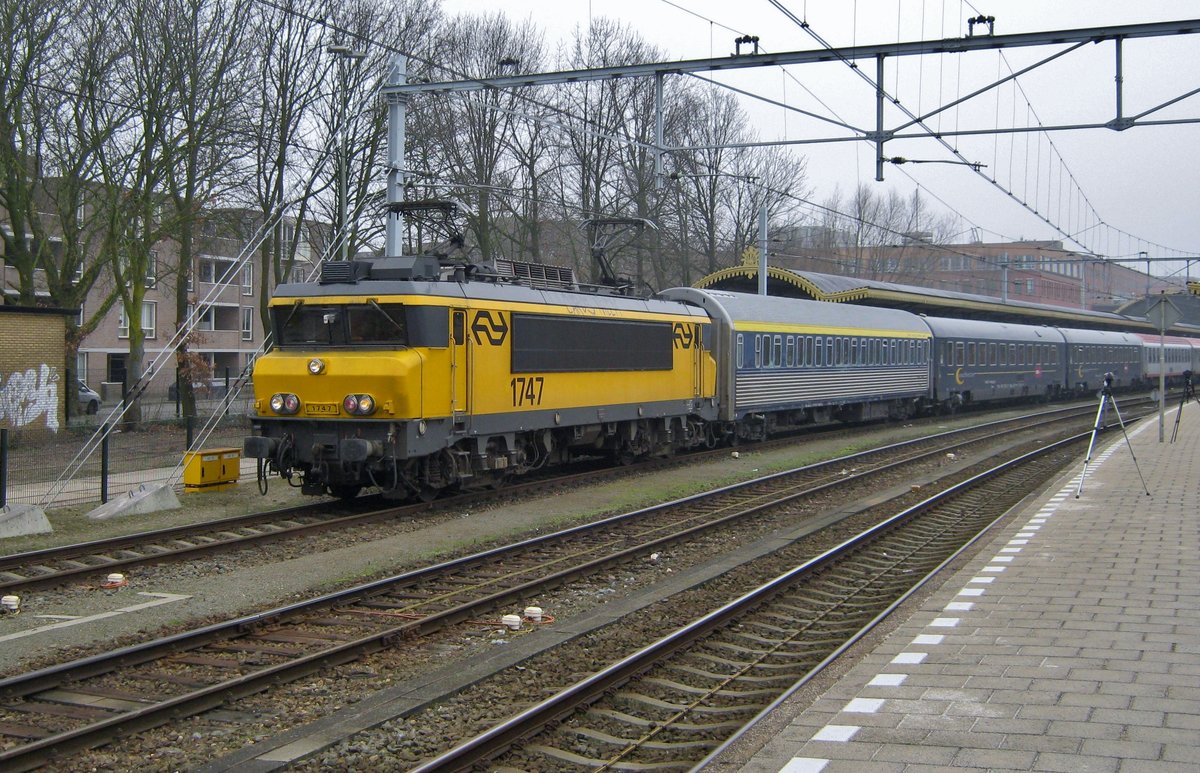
<point>1106,397</point>
<point>1188,391</point>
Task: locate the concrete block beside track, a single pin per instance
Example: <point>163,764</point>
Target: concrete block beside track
<point>144,499</point>
<point>21,520</point>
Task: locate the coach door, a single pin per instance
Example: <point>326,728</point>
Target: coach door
<point>459,366</point>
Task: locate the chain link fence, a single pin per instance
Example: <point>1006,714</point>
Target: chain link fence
<point>149,454</point>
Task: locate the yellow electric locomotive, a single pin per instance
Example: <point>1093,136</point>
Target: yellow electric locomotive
<point>394,374</point>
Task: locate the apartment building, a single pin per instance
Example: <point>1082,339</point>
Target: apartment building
<point>225,296</point>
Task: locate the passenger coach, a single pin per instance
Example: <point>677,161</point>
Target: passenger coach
<point>980,361</point>
<point>1093,353</point>
<point>786,362</point>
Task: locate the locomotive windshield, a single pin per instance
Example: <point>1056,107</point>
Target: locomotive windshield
<point>327,325</point>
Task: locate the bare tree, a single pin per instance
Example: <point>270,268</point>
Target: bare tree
<point>29,32</point>
<point>405,25</point>
<point>591,154</point>
<point>474,133</point>
<point>209,61</point>
<point>57,120</point>
<point>286,86</point>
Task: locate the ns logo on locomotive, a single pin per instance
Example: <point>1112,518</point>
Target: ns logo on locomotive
<point>410,377</point>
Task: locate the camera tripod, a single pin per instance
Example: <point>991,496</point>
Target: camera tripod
<point>1188,391</point>
<point>1106,397</point>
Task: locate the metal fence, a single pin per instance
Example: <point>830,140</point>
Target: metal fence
<point>148,454</point>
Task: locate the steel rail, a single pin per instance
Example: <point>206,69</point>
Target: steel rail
<point>538,717</point>
<point>155,553</point>
<point>42,750</point>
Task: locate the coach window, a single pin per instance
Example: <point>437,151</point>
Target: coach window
<point>758,353</point>
<point>741,353</point>
<point>971,353</point>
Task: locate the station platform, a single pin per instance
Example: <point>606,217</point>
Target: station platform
<point>1070,642</point>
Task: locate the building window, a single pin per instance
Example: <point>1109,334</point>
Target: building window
<point>247,323</point>
<point>206,271</point>
<point>207,319</point>
<point>149,320</point>
<point>152,268</point>
<point>248,279</point>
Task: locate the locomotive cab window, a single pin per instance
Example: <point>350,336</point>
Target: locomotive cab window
<point>371,323</point>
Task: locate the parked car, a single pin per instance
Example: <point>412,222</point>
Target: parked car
<point>88,399</point>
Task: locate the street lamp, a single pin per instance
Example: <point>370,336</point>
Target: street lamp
<point>344,54</point>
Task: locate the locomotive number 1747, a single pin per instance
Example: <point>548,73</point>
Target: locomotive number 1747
<point>527,390</point>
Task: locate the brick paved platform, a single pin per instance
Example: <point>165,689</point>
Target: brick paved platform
<point>1070,643</point>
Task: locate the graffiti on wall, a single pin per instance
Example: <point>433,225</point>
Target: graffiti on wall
<point>30,397</point>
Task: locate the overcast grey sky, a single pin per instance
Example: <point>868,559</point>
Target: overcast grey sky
<point>1143,181</point>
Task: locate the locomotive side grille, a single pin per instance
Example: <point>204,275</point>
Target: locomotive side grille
<point>537,274</point>
<point>339,273</point>
<point>786,388</point>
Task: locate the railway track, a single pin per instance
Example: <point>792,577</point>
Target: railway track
<point>90,702</point>
<point>670,705</point>
<point>52,567</point>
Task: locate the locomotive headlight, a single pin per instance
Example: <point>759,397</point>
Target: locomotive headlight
<point>359,405</point>
<point>277,403</point>
<point>316,366</point>
<point>285,403</point>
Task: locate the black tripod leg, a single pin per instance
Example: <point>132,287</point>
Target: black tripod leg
<point>1092,442</point>
<point>1129,445</point>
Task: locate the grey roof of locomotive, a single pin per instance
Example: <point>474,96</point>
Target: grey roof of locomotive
<point>485,291</point>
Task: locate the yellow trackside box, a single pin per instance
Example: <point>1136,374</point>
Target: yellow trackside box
<point>211,467</point>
